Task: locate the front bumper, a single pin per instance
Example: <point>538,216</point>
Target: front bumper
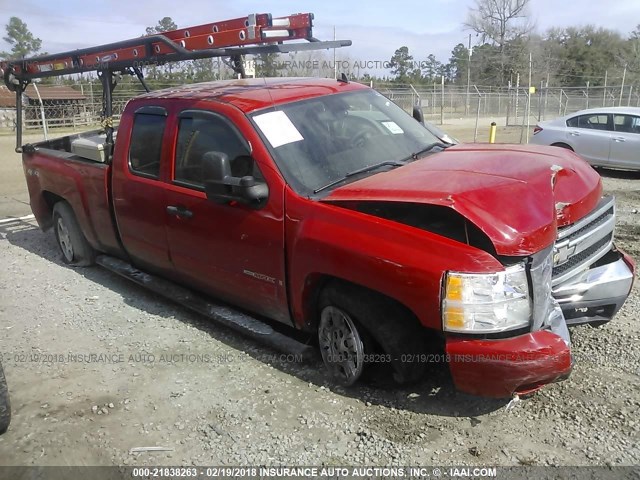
<point>500,368</point>
<point>595,295</point>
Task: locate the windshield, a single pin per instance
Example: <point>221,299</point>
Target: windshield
<point>323,140</point>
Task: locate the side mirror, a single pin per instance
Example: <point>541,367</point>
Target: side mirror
<point>417,114</point>
<point>222,187</point>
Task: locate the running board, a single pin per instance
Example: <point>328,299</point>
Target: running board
<point>229,317</point>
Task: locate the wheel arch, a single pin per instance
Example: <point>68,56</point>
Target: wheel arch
<point>50,199</point>
<point>563,145</point>
<point>315,283</point>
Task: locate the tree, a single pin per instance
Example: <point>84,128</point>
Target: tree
<point>632,56</point>
<point>267,65</point>
<point>500,21</point>
<point>458,63</point>
<point>22,41</point>
<point>401,64</point>
<point>432,68</point>
<point>584,54</point>
<point>164,25</point>
<point>485,65</point>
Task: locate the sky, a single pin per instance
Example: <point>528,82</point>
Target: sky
<point>377,29</point>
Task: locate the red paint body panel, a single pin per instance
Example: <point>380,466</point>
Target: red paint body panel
<point>83,184</point>
<point>222,246</point>
<point>404,262</point>
<point>252,94</point>
<point>500,368</point>
<point>139,203</point>
<point>505,190</point>
<point>629,261</point>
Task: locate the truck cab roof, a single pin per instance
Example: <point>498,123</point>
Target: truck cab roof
<point>251,94</point>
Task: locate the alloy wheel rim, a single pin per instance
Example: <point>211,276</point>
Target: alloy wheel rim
<point>340,345</point>
<point>65,240</point>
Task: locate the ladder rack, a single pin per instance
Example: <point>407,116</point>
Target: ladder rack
<point>251,35</point>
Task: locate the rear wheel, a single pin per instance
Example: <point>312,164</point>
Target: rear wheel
<point>365,335</point>
<point>72,242</point>
<point>5,404</point>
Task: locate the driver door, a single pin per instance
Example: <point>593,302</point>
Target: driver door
<point>230,251</point>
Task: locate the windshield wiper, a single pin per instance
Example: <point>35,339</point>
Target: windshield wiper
<point>427,149</point>
<point>369,168</point>
<point>366,169</point>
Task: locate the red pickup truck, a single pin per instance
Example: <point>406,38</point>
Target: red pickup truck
<point>322,205</point>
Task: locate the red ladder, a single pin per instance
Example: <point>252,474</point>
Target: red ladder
<point>253,34</point>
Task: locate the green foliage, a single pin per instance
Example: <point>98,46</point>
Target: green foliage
<point>22,41</point>
<point>164,25</point>
<point>632,55</point>
<point>485,65</point>
<point>433,69</point>
<point>165,73</point>
<point>401,64</point>
<point>458,63</point>
<point>576,55</point>
<point>267,65</point>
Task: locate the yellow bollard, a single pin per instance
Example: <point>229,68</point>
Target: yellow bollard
<point>492,133</point>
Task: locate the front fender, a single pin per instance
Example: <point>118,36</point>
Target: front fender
<point>402,262</point>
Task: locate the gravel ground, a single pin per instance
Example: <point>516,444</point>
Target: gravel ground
<point>162,376</point>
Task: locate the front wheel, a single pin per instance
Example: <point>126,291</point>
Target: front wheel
<point>74,246</point>
<point>363,334</point>
<point>341,345</point>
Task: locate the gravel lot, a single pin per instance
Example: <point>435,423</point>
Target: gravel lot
<point>162,376</point>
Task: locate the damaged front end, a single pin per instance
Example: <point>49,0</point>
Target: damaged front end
<point>591,277</point>
<point>582,278</point>
<point>541,214</point>
<point>539,353</point>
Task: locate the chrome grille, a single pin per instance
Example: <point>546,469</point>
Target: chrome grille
<point>581,244</point>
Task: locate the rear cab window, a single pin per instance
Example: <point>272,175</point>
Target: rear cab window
<point>145,148</point>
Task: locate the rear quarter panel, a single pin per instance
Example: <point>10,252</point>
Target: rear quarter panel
<point>53,175</point>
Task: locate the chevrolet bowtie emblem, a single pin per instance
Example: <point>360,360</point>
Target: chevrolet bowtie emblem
<point>562,254</point>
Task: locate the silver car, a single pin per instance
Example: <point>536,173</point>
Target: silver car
<point>604,137</point>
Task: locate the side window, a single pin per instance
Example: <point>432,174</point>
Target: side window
<point>146,144</point>
<point>204,133</point>
<point>573,122</point>
<point>596,122</point>
<point>626,123</point>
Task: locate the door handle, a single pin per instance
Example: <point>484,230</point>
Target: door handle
<point>618,139</point>
<point>179,211</point>
<point>574,133</point>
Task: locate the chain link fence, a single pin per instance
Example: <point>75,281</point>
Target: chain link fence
<point>440,103</point>
<point>506,106</point>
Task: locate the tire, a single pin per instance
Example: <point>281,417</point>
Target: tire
<point>5,404</point>
<point>365,335</point>
<point>73,245</point>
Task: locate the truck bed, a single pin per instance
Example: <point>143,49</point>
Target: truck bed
<point>86,145</point>
<point>54,172</point>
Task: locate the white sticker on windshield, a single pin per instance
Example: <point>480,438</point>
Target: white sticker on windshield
<point>393,127</point>
<point>278,129</point>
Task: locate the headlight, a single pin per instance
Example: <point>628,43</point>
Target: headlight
<point>486,303</point>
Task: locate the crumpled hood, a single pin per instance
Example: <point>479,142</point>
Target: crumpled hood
<point>517,195</point>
